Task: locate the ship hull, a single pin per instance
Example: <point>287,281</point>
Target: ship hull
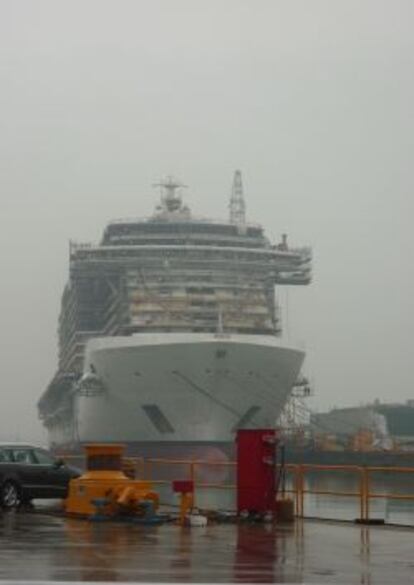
<point>174,394</point>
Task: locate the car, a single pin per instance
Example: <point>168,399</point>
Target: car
<point>29,472</point>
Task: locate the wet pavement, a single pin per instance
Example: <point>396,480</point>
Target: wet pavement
<point>38,546</point>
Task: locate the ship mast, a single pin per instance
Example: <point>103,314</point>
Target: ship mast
<point>237,204</point>
<point>170,197</point>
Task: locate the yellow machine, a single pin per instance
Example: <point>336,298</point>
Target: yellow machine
<point>105,491</point>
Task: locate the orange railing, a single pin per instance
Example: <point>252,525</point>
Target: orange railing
<point>297,478</point>
<point>365,492</point>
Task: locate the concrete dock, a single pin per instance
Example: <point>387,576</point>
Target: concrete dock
<point>42,547</point>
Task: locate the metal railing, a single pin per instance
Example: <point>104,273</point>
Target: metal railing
<point>298,484</point>
<point>364,494</point>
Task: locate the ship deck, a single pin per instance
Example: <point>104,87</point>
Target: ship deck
<point>38,546</point>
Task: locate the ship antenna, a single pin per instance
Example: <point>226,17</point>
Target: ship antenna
<point>170,198</point>
<point>237,204</point>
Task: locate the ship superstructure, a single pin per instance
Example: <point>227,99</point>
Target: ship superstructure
<point>171,320</point>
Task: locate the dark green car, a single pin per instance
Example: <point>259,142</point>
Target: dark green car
<point>28,472</point>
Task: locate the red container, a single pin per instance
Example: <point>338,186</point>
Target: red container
<point>256,470</point>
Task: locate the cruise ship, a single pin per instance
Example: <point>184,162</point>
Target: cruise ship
<point>169,333</point>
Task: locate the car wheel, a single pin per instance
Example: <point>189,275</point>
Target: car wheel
<point>10,495</point>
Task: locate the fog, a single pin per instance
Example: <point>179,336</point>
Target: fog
<point>313,101</point>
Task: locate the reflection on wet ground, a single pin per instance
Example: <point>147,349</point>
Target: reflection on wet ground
<point>37,546</point>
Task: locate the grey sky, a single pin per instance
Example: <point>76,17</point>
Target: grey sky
<point>312,99</point>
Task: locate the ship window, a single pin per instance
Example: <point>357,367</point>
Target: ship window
<point>246,418</point>
<point>158,419</point>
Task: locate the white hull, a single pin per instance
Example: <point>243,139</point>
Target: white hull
<point>202,384</point>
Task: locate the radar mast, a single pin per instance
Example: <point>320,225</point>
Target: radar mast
<point>171,199</point>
